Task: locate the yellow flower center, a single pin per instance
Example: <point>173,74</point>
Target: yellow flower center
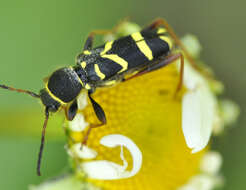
<point>144,110</point>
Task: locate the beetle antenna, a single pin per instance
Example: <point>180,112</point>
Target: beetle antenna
<point>42,141</point>
<point>20,90</point>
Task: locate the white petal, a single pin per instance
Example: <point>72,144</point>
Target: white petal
<point>103,169</point>
<point>199,182</point>
<point>211,163</point>
<point>82,100</point>
<point>82,152</point>
<point>120,140</point>
<point>78,123</point>
<point>192,45</point>
<point>191,121</point>
<point>198,110</point>
<point>107,170</point>
<point>65,182</point>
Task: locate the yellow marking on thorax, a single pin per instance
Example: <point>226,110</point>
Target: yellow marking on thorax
<point>87,87</point>
<point>86,52</point>
<point>80,81</point>
<point>83,64</point>
<point>142,45</point>
<point>53,96</point>
<point>167,40</point>
<point>107,47</point>
<point>118,60</point>
<point>98,72</point>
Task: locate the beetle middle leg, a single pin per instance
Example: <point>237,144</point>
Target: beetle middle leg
<point>85,139</point>
<point>89,41</point>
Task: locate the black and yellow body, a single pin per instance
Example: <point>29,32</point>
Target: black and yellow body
<point>106,65</point>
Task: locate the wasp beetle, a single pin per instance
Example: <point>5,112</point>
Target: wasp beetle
<point>136,54</point>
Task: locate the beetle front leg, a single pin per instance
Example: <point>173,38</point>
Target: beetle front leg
<point>100,115</point>
<point>90,39</point>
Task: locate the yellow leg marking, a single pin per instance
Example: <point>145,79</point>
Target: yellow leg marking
<point>107,47</point>
<point>98,72</point>
<point>118,60</point>
<point>142,45</point>
<point>83,64</point>
<point>168,41</point>
<point>53,96</point>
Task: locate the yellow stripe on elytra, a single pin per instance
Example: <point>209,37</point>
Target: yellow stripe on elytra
<point>167,40</point>
<point>53,96</point>
<point>107,47</point>
<point>86,52</point>
<point>98,72</point>
<point>113,57</point>
<point>83,64</point>
<point>142,45</point>
<point>112,82</point>
<point>161,30</point>
<point>118,60</point>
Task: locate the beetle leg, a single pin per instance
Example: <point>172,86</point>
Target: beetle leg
<point>89,41</point>
<point>71,111</point>
<point>85,139</point>
<point>162,22</point>
<point>98,109</point>
<point>100,115</point>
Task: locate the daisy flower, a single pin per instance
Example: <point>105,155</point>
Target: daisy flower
<point>153,139</point>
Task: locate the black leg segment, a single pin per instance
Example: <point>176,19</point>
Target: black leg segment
<point>72,110</point>
<point>98,110</point>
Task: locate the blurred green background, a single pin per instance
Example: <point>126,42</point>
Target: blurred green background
<point>39,36</point>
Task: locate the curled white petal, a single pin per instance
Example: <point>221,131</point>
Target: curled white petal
<point>198,110</point>
<point>120,140</point>
<point>107,170</point>
<point>78,123</point>
<point>82,152</point>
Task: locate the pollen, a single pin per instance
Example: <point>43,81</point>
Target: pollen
<point>144,114</point>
